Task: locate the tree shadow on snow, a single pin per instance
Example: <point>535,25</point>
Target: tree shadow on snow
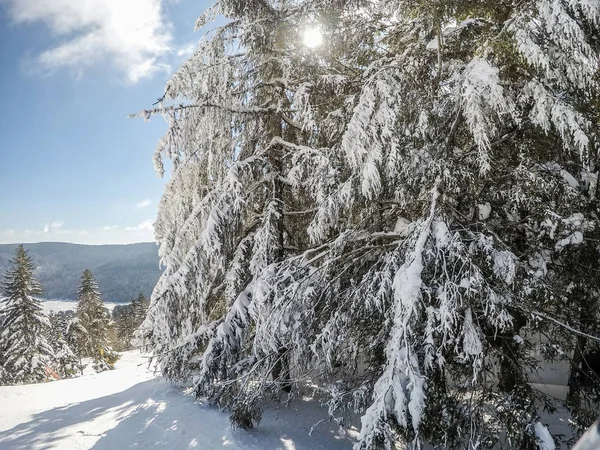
<point>46,429</point>
<point>153,415</point>
<point>179,422</point>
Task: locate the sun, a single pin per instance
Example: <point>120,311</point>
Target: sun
<point>312,37</point>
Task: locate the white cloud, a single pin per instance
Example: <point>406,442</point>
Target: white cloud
<point>109,227</point>
<point>188,49</point>
<point>143,203</point>
<point>146,225</point>
<point>130,34</point>
<point>53,226</point>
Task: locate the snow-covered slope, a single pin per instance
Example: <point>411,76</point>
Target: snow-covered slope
<point>129,408</point>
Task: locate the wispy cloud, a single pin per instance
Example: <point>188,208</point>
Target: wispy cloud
<point>188,49</point>
<point>131,35</point>
<point>109,227</point>
<point>143,203</point>
<point>53,226</point>
<point>146,225</point>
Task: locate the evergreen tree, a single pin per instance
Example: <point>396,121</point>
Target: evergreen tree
<point>122,318</point>
<point>64,361</point>
<point>222,226</point>
<point>75,337</point>
<point>24,350</point>
<point>128,319</point>
<point>93,324</point>
<point>139,309</point>
<point>419,193</point>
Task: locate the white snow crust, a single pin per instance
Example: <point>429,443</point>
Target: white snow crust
<point>130,408</point>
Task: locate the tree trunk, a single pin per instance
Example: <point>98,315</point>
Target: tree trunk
<point>281,370</point>
<point>511,373</point>
<point>574,384</point>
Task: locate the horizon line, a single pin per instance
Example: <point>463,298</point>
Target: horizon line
<point>75,243</point>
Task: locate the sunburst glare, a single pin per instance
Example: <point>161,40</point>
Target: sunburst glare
<point>312,37</point>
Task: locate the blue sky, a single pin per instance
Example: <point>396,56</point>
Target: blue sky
<point>74,168</point>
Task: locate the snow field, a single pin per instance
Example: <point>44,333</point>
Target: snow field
<point>130,408</point>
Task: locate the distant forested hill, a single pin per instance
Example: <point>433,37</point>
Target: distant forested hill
<point>122,271</point>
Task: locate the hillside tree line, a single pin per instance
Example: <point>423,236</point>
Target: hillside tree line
<point>36,347</point>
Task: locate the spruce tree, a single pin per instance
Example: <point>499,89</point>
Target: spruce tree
<point>123,325</point>
<point>24,350</point>
<point>93,323</point>
<point>75,337</point>
<point>128,319</point>
<point>64,360</point>
<point>139,308</point>
<point>223,227</point>
<point>419,193</point>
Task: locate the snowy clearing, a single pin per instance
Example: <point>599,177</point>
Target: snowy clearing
<point>69,305</point>
<point>130,408</point>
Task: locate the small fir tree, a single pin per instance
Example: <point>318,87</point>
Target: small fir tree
<point>64,360</point>
<point>139,308</point>
<point>93,324</point>
<point>128,319</point>
<point>24,350</point>
<point>122,319</point>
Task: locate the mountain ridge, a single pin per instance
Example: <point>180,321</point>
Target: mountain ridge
<point>122,270</point>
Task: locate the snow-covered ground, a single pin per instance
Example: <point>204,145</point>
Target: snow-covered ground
<point>130,408</point>
<point>66,305</point>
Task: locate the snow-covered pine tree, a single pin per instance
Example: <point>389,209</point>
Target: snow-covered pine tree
<point>577,303</point>
<point>93,323</point>
<point>139,309</point>
<point>74,335</point>
<point>479,123</point>
<point>248,154</point>
<point>409,194</point>
<point>128,319</point>
<point>64,361</point>
<point>24,350</point>
<point>123,326</point>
